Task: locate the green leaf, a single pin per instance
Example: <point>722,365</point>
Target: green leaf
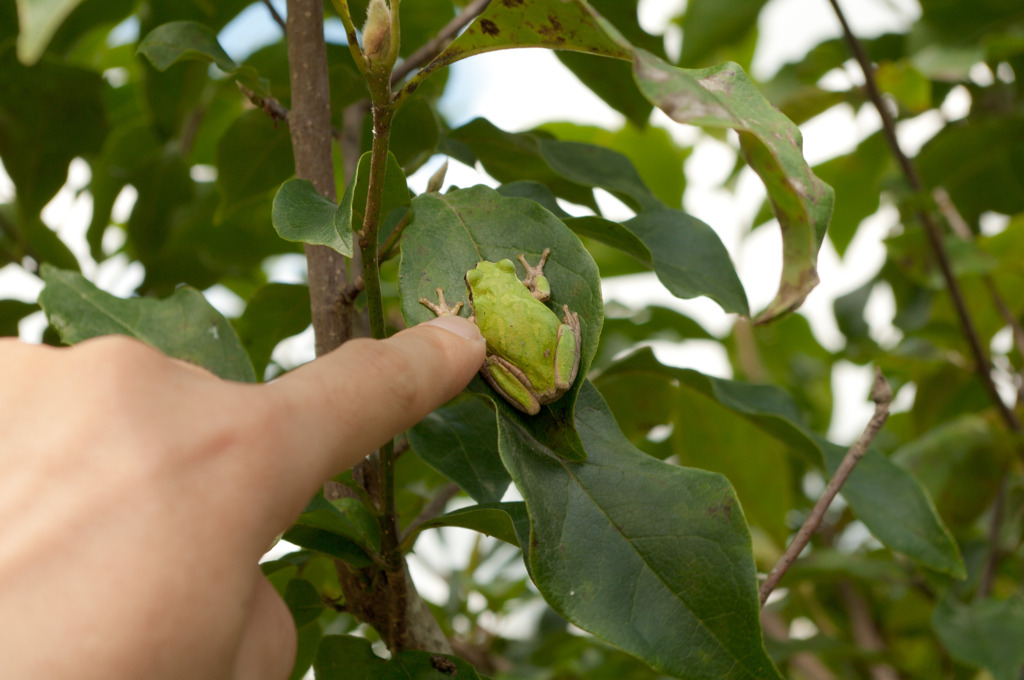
<point>49,114</point>
<point>505,521</point>
<point>343,657</point>
<point>897,510</point>
<point>39,20</point>
<point>254,156</point>
<point>985,634</point>
<point>274,312</point>
<point>961,464</point>
<point>885,496</point>
<point>656,156</point>
<point>689,258</point>
<point>857,178</point>
<point>980,182</point>
<point>655,559</point>
<point>176,41</point>
<point>184,325</point>
<point>706,434</point>
<point>513,157</point>
<point>724,96</point>
<point>353,204</point>
<point>345,517</point>
<point>301,214</point>
<point>303,601</point>
<point>460,441</point>
<point>612,81</point>
<point>450,233</point>
<point>530,23</point>
<point>11,312</point>
<point>708,25</point>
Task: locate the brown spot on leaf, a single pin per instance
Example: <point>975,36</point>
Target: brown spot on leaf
<point>444,665</point>
<point>489,27</point>
<point>723,510</point>
<point>512,3</point>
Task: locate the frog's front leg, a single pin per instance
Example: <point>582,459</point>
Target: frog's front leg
<point>511,383</point>
<point>535,279</point>
<point>441,308</point>
<point>567,350</point>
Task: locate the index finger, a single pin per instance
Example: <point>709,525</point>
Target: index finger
<point>329,414</point>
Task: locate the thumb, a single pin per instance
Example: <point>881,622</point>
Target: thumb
<point>340,407</point>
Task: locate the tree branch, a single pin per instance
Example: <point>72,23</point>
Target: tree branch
<point>881,394</point>
<point>431,510</point>
<point>276,16</point>
<point>982,364</point>
<point>309,122</point>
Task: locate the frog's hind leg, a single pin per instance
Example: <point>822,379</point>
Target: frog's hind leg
<point>511,383</point>
<point>567,353</point>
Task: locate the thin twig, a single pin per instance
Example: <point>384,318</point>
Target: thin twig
<point>881,394</point>
<point>865,632</point>
<point>995,525</point>
<point>268,105</point>
<point>433,48</point>
<point>432,509</point>
<point>982,364</point>
<point>277,17</point>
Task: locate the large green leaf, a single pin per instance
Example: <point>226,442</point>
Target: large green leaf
<point>724,96</point>
<point>985,633</point>
<point>460,440</point>
<point>530,23</point>
<point>710,24</point>
<point>885,496</point>
<point>689,258</point>
<point>655,559</point>
<point>184,325</point>
<point>343,657</point>
<point>450,233</point>
<point>254,156</point>
<point>656,156</point>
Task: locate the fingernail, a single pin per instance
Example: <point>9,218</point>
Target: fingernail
<point>464,328</point>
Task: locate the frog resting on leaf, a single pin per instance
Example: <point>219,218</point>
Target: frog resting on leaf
<point>532,357</point>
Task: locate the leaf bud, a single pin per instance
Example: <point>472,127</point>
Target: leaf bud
<point>377,33</point>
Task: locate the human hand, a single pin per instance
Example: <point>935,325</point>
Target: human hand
<point>138,493</point>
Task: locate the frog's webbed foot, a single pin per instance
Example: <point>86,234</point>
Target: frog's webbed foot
<point>535,279</point>
<point>441,308</point>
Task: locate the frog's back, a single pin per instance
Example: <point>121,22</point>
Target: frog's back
<point>523,330</point>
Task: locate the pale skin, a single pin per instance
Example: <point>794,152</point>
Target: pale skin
<point>138,493</point>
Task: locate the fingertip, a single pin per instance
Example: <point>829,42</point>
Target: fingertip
<point>460,326</point>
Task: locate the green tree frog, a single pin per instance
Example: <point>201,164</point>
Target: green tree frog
<point>532,357</point>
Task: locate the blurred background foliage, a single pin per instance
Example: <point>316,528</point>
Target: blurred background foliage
<point>182,171</point>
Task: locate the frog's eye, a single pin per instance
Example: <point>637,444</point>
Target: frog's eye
<point>506,266</point>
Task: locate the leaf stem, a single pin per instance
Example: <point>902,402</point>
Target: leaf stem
<point>881,394</point>
<point>341,7</point>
